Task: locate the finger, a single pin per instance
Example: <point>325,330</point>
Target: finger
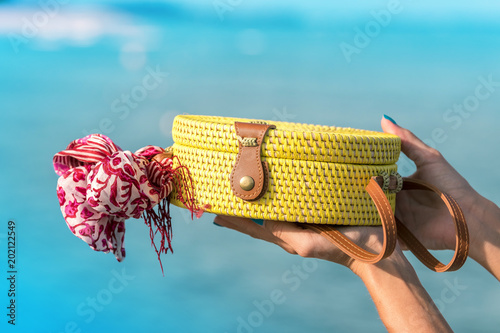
<point>243,225</point>
<point>411,145</point>
<point>305,242</point>
<point>252,229</point>
<point>403,245</point>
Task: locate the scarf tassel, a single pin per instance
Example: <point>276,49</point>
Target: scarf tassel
<point>160,221</point>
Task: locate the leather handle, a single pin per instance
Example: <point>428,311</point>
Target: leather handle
<point>388,225</point>
<point>461,237</point>
<point>393,228</point>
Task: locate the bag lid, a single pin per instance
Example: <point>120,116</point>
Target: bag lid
<point>291,140</point>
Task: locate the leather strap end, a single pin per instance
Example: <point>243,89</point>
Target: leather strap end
<point>250,175</point>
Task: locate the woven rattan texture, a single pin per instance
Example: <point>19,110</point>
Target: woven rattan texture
<point>291,140</point>
<point>304,186</point>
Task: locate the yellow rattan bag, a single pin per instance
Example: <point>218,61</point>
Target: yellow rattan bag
<point>317,175</point>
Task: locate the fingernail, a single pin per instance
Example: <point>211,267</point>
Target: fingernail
<point>259,222</point>
<point>390,119</point>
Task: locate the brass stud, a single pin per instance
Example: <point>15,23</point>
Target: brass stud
<point>247,183</point>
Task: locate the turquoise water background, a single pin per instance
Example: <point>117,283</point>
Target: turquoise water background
<point>281,61</point>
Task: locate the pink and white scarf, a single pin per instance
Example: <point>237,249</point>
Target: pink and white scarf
<point>100,186</point>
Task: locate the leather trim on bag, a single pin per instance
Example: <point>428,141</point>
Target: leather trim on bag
<point>248,161</point>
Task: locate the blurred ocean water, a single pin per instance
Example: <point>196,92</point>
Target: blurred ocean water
<point>83,70</point>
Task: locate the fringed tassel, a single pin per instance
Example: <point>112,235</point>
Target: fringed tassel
<point>184,187</point>
<point>160,222</point>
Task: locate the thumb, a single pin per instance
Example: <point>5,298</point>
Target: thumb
<point>411,145</point>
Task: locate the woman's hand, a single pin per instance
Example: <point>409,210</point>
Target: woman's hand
<point>304,242</point>
<point>427,217</point>
<point>424,213</point>
<point>401,301</point>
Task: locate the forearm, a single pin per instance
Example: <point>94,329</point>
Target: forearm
<point>402,302</point>
<point>484,230</point>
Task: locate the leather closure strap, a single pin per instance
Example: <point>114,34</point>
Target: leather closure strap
<point>461,231</point>
<point>388,225</point>
<point>250,175</point>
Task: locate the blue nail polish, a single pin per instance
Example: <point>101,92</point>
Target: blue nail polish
<point>259,222</point>
<point>217,224</point>
<point>390,119</point>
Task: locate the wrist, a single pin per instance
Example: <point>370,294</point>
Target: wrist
<point>484,230</point>
<point>402,302</point>
<point>396,262</point>
<point>482,219</point>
